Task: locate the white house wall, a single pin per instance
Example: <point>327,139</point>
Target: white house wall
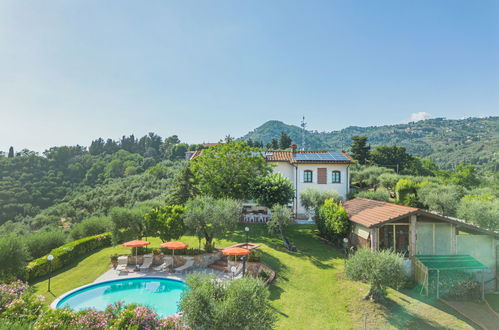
<point>287,170</point>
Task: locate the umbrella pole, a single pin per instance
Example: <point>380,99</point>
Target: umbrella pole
<point>136,257</point>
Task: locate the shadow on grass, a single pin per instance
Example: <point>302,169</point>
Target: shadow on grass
<point>415,294</point>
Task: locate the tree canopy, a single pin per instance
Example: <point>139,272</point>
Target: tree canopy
<point>229,170</point>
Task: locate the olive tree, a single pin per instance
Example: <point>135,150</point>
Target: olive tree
<point>281,218</point>
<point>210,218</point>
<point>481,210</point>
<point>13,258</point>
<point>380,269</point>
<point>440,198</point>
<point>311,199</point>
<point>239,304</point>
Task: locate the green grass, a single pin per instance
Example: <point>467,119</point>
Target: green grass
<point>310,291</point>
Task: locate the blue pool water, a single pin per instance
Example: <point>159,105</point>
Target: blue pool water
<point>161,294</point>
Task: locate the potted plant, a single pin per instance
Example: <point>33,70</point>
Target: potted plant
<point>114,260</point>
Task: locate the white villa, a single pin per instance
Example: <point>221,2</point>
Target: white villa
<point>320,170</point>
<point>323,171</point>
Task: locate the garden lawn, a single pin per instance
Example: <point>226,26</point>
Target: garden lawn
<point>310,291</point>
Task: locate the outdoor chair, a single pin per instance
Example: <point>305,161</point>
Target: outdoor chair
<point>122,264</point>
<point>164,266</point>
<point>188,265</point>
<point>147,262</point>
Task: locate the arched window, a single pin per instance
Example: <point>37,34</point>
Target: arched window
<point>336,177</point>
<point>307,176</point>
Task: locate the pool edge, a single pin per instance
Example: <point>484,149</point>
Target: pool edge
<point>56,301</point>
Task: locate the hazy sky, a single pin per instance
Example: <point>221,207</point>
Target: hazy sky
<point>72,71</point>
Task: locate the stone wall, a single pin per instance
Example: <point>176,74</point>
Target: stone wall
<point>200,260</point>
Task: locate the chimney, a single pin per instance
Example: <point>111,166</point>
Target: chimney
<point>293,147</point>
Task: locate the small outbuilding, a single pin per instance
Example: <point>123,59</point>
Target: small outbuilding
<point>424,237</point>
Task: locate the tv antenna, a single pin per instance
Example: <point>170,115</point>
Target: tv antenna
<point>303,127</point>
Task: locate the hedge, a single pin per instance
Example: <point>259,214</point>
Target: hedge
<point>66,254</point>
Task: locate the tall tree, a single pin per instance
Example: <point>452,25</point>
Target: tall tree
<point>395,157</point>
<point>285,141</point>
<point>11,152</point>
<point>360,149</point>
<point>165,222</point>
<point>97,147</point>
<point>229,170</point>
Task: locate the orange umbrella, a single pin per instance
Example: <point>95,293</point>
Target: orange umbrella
<point>236,252</point>
<point>174,246</point>
<point>136,244</point>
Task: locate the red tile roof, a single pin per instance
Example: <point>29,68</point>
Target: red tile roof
<point>370,213</point>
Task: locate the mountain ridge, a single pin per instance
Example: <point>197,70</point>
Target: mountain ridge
<point>447,141</point>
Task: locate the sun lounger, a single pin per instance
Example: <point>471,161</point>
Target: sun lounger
<point>122,264</point>
<point>188,265</point>
<point>147,262</point>
<point>164,266</point>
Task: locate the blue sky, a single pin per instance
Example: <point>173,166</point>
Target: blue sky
<point>72,71</point>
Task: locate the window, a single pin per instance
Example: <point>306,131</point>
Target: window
<point>336,177</point>
<point>307,176</point>
<point>395,237</point>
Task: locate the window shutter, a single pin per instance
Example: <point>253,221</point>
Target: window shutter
<point>321,175</point>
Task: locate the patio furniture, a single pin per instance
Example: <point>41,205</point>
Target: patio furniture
<point>136,244</point>
<point>174,246</point>
<point>164,266</point>
<point>122,264</point>
<point>147,262</point>
<point>188,265</point>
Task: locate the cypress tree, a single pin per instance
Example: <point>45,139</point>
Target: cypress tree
<point>11,152</point>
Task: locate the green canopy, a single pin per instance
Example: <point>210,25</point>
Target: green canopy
<point>449,262</point>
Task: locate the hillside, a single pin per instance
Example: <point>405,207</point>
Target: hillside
<point>448,142</point>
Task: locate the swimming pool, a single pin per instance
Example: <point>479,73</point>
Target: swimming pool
<point>160,294</point>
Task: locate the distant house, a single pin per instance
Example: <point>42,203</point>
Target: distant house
<point>320,170</point>
<point>423,237</point>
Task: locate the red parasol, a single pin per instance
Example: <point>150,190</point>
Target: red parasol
<point>136,244</point>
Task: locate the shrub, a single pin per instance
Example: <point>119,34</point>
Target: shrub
<point>332,220</point>
<point>18,303</point>
<point>208,304</point>
<point>66,254</point>
<point>41,243</point>
<point>378,268</point>
<point>311,198</point>
<point>128,224</point>
<point>378,195</point>
<point>13,258</point>
<point>91,226</point>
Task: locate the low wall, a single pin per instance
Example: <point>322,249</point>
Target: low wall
<point>200,260</point>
